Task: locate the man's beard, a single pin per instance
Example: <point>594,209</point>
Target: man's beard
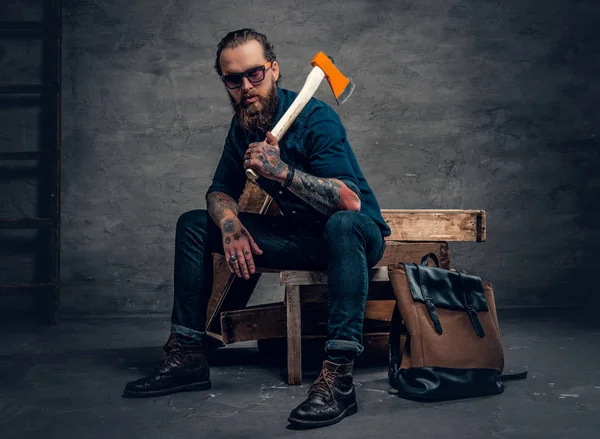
<point>256,119</point>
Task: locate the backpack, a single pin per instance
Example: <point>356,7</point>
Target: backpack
<point>444,338</point>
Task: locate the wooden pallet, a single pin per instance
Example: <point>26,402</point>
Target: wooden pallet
<point>415,232</point>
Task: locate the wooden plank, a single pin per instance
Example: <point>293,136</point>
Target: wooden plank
<point>294,335</point>
<point>320,277</point>
<point>380,310</point>
<point>311,294</point>
<point>254,199</point>
<point>217,337</point>
<point>270,321</point>
<point>254,323</point>
<point>213,341</point>
<point>235,294</point>
<point>413,252</point>
<point>221,278</point>
<point>436,225</point>
<point>229,292</point>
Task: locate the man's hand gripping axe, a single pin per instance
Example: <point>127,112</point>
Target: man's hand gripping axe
<point>322,68</point>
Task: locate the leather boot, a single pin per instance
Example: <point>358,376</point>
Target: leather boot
<point>331,398</point>
<point>184,369</point>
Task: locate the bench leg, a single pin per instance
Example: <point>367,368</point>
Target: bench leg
<point>294,334</point>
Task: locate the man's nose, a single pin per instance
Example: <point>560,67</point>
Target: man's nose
<point>246,84</point>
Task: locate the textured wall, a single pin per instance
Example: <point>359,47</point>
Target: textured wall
<point>458,104</point>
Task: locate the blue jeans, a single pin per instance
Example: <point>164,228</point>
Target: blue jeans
<point>346,246</point>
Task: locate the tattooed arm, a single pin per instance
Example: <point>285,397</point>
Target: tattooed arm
<point>327,195</point>
<point>220,207</point>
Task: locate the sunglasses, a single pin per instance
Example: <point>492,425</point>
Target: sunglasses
<point>254,75</point>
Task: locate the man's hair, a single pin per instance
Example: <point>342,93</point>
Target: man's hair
<point>237,38</point>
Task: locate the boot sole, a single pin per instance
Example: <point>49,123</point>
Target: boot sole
<point>204,385</point>
<point>350,410</point>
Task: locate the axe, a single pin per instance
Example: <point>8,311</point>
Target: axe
<point>322,68</point>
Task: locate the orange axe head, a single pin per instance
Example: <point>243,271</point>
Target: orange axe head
<point>341,86</point>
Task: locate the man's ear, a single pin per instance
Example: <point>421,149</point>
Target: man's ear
<point>275,68</point>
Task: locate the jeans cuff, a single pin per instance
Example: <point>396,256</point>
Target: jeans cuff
<point>187,332</point>
<point>343,345</point>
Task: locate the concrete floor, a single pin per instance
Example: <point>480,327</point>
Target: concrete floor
<point>66,381</point>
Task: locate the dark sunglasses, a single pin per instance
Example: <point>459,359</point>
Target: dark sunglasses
<point>254,75</point>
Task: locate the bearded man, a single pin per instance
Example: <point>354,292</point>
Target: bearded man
<point>331,221</point>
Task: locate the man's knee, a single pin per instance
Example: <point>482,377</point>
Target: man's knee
<point>343,223</point>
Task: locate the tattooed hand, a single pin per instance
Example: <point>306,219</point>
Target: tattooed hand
<point>263,158</point>
<point>238,243</point>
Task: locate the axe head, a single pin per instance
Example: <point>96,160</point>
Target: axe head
<point>341,86</point>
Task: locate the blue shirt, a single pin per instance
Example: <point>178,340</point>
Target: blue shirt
<point>316,143</point>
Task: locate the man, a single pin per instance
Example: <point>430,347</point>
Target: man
<point>331,221</point>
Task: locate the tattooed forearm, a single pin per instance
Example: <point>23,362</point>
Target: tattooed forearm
<point>327,195</point>
<point>220,207</point>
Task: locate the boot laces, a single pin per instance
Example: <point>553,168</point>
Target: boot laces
<point>324,383</point>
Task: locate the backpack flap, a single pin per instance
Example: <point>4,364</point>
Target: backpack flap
<point>439,288</point>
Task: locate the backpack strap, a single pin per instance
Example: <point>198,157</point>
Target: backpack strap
<point>394,354</point>
<point>513,376</point>
<point>433,256</point>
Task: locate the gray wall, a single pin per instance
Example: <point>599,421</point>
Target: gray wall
<point>458,104</point>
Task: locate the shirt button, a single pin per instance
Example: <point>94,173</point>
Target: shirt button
<point>293,211</point>
<point>280,192</point>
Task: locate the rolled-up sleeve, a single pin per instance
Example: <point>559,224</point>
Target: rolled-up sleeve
<point>328,149</point>
<point>229,177</point>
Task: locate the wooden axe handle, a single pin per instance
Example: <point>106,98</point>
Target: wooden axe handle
<point>314,79</point>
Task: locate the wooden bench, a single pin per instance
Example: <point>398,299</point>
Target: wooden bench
<point>414,234</point>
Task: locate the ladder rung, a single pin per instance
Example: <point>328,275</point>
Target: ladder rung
<point>21,29</point>
<point>28,155</point>
<point>21,101</point>
<point>29,88</point>
<point>15,288</point>
<point>26,223</point>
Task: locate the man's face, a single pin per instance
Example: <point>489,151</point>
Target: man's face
<point>255,104</point>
